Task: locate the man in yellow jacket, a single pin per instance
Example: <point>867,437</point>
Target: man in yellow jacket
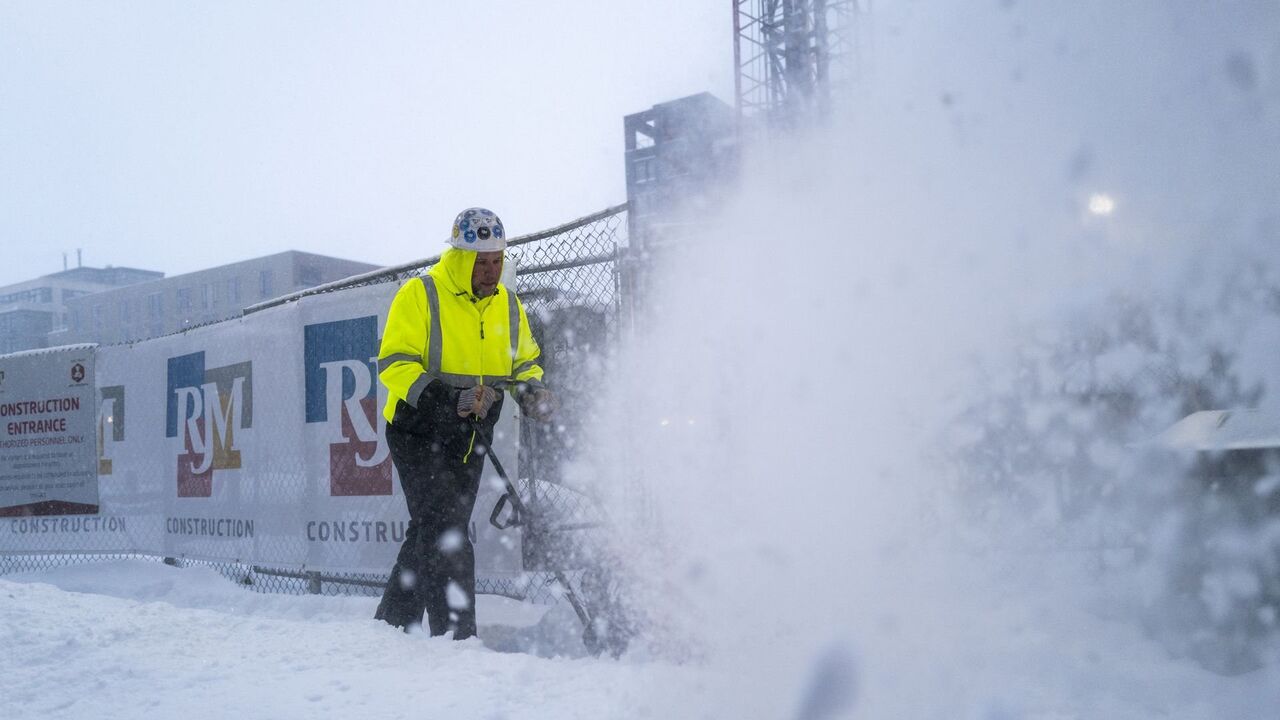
<point>455,340</point>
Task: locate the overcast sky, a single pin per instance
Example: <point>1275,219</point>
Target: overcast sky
<point>180,135</point>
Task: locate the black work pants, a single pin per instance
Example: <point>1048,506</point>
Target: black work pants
<point>440,474</point>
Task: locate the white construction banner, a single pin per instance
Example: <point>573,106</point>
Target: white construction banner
<point>258,440</point>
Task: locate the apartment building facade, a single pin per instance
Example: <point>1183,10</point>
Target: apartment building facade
<point>172,304</point>
<point>32,309</point>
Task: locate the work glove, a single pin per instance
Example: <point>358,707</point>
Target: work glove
<point>539,404</point>
<point>476,401</point>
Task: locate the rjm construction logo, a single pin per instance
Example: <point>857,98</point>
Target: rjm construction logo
<point>207,408</point>
<point>110,424</point>
<point>342,393</point>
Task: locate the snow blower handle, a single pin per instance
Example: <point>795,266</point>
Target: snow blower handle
<point>515,519</point>
<point>512,496</point>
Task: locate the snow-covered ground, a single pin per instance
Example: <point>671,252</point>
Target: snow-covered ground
<point>139,639</point>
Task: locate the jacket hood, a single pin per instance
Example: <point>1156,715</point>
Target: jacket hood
<point>454,271</point>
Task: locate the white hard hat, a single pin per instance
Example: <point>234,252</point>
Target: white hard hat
<point>478,229</point>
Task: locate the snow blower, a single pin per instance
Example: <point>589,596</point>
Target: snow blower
<point>596,600</point>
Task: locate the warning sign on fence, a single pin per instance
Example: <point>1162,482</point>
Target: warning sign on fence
<point>48,443</point>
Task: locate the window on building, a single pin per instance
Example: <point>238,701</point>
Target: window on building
<point>155,305</point>
<point>204,297</point>
<point>33,295</point>
<point>309,275</point>
<point>125,318</point>
<point>266,281</point>
<point>184,299</point>
<point>643,170</point>
<point>233,289</point>
<point>95,313</point>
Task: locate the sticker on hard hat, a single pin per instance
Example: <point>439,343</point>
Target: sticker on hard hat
<point>470,236</point>
<point>483,232</point>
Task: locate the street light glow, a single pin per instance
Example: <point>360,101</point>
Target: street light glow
<point>1101,204</point>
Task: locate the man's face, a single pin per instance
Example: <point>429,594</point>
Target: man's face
<point>486,273</point>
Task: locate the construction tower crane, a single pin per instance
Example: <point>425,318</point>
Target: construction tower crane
<point>789,55</point>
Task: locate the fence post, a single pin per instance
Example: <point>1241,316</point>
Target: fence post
<point>313,582</point>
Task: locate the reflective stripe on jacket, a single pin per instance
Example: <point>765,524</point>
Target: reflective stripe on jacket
<point>438,329</point>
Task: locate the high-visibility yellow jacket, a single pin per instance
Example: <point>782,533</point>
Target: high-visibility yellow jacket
<point>438,329</point>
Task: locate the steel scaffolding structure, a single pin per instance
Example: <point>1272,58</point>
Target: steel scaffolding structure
<point>788,55</point>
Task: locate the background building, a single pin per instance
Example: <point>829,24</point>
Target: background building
<point>167,305</point>
<point>30,310</point>
<point>679,155</point>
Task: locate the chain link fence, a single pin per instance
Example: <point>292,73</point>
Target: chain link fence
<point>568,278</point>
